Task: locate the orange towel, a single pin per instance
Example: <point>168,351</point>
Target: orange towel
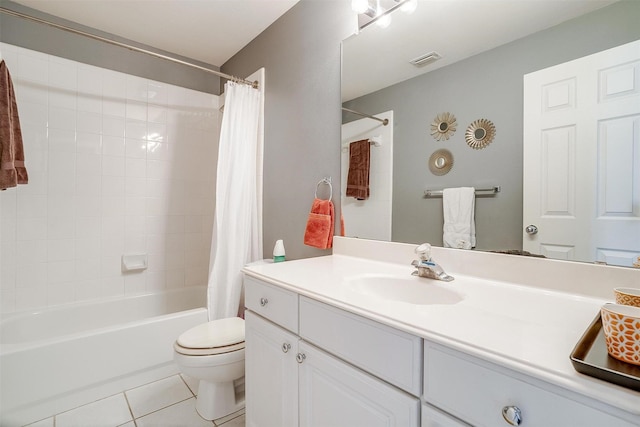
<point>12,170</point>
<point>319,232</point>
<point>359,164</point>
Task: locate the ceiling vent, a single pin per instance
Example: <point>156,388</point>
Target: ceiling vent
<point>425,59</point>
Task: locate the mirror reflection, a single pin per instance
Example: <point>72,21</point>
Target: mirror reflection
<point>479,75</point>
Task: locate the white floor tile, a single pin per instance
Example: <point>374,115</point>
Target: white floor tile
<point>235,422</point>
<point>192,383</point>
<point>229,417</point>
<point>178,415</point>
<point>236,419</point>
<point>157,395</point>
<point>110,412</point>
<point>42,423</point>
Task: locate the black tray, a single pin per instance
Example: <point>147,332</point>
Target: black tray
<point>590,357</point>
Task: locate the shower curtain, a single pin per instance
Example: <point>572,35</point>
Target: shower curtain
<point>236,236</point>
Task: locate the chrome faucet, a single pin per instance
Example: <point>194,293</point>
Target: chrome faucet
<point>426,267</point>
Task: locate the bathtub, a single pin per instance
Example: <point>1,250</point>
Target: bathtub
<point>56,359</point>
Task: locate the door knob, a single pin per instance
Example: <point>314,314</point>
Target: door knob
<point>531,229</point>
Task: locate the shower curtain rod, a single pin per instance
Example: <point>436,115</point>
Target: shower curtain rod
<point>383,121</point>
<point>126,46</point>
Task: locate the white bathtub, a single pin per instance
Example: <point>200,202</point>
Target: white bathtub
<point>56,359</point>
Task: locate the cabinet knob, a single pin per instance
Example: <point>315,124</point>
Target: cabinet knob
<point>286,347</point>
<point>531,229</point>
<point>512,415</point>
<point>300,357</point>
<point>263,301</point>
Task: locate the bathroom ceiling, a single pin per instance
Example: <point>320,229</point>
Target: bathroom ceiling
<point>211,31</point>
<point>455,29</point>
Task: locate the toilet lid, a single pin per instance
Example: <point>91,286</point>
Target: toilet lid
<point>217,333</point>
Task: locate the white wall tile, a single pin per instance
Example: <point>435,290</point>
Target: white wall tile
<point>63,73</point>
<point>90,80</point>
<point>88,165</point>
<point>113,126</point>
<point>32,66</point>
<point>62,118</point>
<point>135,129</point>
<point>61,250</point>
<point>88,185</point>
<point>60,227</point>
<point>62,140</point>
<point>31,228</point>
<point>33,114</point>
<point>89,122</point>
<point>135,110</point>
<point>60,271</point>
<point>93,194</point>
<point>113,166</point>
<point>62,98</point>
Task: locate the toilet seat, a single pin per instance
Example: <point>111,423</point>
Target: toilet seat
<point>215,337</point>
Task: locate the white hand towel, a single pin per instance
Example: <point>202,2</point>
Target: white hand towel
<point>459,229</point>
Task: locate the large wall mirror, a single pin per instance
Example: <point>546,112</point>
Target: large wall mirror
<point>485,47</point>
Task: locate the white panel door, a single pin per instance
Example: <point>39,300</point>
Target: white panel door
<point>582,158</point>
<point>271,374</point>
<point>334,394</point>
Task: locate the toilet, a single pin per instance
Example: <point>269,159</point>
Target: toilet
<point>213,353</point>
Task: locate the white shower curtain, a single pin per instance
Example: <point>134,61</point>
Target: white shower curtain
<point>236,236</point>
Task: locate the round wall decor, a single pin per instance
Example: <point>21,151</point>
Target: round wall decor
<point>440,162</point>
<point>443,126</point>
<point>480,133</point>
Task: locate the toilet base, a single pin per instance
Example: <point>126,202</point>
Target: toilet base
<point>218,399</point>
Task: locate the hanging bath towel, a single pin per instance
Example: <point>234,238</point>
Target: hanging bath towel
<point>359,165</point>
<point>459,229</point>
<point>319,231</point>
<point>12,169</point>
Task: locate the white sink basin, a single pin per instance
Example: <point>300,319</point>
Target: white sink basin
<point>410,289</point>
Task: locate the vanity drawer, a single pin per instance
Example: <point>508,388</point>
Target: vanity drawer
<point>387,353</point>
<point>475,392</point>
<point>272,302</point>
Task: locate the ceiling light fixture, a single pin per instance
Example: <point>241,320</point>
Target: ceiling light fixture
<point>409,6</point>
<point>360,6</point>
<point>379,11</point>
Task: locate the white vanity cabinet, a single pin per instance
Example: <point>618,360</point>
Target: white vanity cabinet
<point>478,392</point>
<point>290,382</point>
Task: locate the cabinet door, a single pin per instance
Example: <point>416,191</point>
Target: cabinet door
<point>333,393</point>
<point>432,417</point>
<point>271,374</point>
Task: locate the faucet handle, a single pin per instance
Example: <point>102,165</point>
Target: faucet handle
<point>424,251</point>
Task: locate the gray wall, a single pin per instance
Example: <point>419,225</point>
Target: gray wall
<point>35,36</point>
<point>487,86</point>
<point>301,54</point>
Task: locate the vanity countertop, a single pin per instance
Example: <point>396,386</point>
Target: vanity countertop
<point>530,330</point>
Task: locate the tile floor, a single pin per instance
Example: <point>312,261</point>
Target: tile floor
<point>169,402</point>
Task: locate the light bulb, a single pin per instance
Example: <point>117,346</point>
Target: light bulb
<point>384,21</point>
<point>360,6</point>
<point>409,6</point>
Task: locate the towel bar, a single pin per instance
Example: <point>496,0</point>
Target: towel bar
<point>479,192</point>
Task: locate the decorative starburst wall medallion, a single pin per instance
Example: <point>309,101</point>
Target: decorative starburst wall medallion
<point>443,126</point>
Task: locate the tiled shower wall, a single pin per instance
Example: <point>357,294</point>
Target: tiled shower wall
<point>117,165</point>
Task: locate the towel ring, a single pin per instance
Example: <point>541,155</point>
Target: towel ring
<point>326,181</point>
